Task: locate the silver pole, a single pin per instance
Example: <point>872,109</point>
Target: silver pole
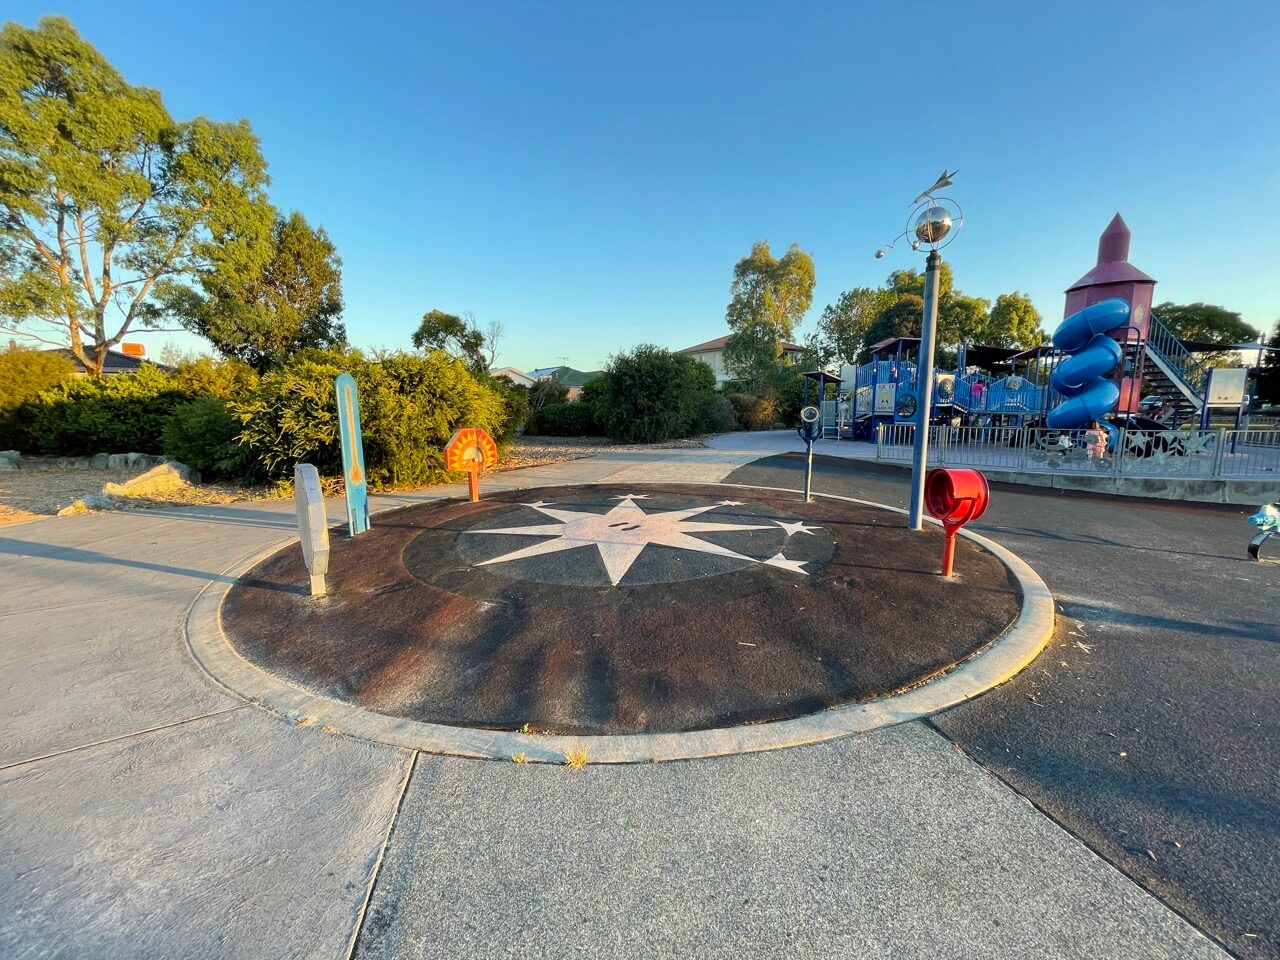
<point>924,386</point>
<point>808,475</point>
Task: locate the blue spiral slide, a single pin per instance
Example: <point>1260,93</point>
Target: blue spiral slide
<point>1091,355</point>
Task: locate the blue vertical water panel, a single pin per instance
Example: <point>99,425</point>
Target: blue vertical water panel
<point>352,454</point>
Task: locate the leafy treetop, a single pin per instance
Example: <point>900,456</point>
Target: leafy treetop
<point>769,298</point>
<point>262,310</point>
<point>103,194</point>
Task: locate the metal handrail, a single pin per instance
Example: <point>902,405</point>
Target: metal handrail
<point>1166,345</point>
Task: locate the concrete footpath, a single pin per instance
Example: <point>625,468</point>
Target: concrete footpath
<point>147,813</point>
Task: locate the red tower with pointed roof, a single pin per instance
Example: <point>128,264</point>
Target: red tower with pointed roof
<point>1115,276</point>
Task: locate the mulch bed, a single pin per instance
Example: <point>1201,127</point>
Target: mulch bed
<point>414,628</point>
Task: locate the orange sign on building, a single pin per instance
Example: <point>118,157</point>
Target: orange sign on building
<point>470,449</point>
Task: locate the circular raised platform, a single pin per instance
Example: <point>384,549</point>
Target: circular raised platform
<point>641,613</point>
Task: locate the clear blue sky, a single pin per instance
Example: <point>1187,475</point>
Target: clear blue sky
<point>588,173</point>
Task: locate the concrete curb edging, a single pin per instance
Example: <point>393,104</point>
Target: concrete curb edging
<point>989,667</point>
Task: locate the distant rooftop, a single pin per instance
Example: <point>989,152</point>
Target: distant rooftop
<point>719,342</point>
<point>566,376</point>
<point>116,361</point>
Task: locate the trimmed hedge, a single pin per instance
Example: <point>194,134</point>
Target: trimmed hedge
<point>26,373</point>
<point>576,419</point>
<point>100,414</point>
<point>204,434</point>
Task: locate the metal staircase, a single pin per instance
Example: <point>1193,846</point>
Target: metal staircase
<point>1171,371</point>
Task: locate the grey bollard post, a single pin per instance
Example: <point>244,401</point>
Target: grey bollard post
<point>313,524</point>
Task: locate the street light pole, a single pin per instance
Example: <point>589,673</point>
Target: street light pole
<point>924,390</point>
<point>933,224</point>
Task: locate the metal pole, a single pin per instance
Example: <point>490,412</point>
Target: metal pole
<point>808,474</point>
<point>920,449</point>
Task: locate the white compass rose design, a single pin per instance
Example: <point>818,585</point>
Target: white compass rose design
<point>622,534</point>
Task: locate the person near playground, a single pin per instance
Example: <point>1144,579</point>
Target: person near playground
<point>1095,441</point>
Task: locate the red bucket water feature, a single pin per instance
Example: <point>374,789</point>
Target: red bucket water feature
<point>955,497</point>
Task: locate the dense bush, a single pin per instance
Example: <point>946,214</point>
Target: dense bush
<point>204,434</point>
<point>515,402</point>
<point>26,373</point>
<point>119,413</point>
<point>410,404</point>
<point>754,412</point>
<point>652,394</point>
<point>221,379</point>
<point>718,415</point>
<point>786,387</point>
<point>546,392</point>
<point>87,415</point>
<point>565,420</point>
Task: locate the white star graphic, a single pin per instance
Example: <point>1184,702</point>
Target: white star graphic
<point>622,534</point>
<point>797,527</point>
<point>730,503</point>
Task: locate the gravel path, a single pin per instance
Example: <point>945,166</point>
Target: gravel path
<point>42,490</point>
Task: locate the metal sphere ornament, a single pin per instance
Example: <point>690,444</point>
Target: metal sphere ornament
<point>933,224</point>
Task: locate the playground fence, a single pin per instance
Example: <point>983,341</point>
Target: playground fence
<point>1195,454</point>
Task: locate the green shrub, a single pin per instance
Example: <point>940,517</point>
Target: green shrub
<point>204,434</point>
<point>718,415</point>
<point>222,379</point>
<point>565,420</point>
<point>787,389</point>
<point>652,394</point>
<point>515,401</point>
<point>121,413</point>
<point>410,405</point>
<point>26,373</point>
<point>546,392</point>
<point>753,411</point>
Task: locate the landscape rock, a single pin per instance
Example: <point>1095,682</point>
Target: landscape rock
<point>10,460</point>
<point>159,479</point>
<point>118,461</point>
<point>85,504</point>
<point>99,461</point>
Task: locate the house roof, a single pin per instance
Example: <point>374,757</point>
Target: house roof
<point>719,342</point>
<point>116,362</point>
<point>566,376</point>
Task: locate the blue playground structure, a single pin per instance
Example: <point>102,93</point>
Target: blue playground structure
<point>1089,356</point>
<point>1110,361</point>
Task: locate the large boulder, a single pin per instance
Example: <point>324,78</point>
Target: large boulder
<point>10,460</point>
<point>99,461</point>
<point>162,478</point>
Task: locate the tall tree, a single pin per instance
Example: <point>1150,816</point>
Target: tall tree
<point>457,336</point>
<point>902,318</point>
<point>262,311</point>
<point>912,281</point>
<point>1014,322</point>
<point>1269,375</point>
<point>769,297</point>
<point>962,318</point>
<point>103,194</point>
<point>1204,322</point>
<point>1207,323</point>
<point>842,328</point>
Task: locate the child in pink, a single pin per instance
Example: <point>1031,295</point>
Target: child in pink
<point>1095,440</point>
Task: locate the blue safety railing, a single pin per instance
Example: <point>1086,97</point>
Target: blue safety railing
<point>1165,344</point>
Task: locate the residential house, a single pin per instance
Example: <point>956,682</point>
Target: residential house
<point>568,377</point>
<point>712,354</point>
